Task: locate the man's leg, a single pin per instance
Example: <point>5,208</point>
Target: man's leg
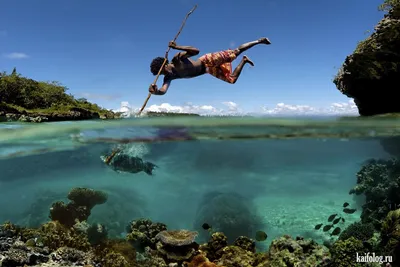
<point>236,73</point>
<point>249,45</point>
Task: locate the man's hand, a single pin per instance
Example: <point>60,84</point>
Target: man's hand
<point>172,44</point>
<point>153,89</point>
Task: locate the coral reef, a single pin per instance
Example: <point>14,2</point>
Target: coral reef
<point>359,231</point>
<point>142,233</point>
<point>390,235</point>
<point>286,251</point>
<point>177,245</point>
<point>371,74</point>
<point>149,244</point>
<point>79,209</point>
<point>379,181</point>
<point>344,251</point>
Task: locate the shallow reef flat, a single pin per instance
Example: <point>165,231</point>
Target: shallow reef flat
<point>68,240</point>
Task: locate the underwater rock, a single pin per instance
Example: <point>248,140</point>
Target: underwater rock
<point>177,245</point>
<point>391,145</point>
<point>142,233</point>
<point>229,213</point>
<point>379,181</point>
<point>286,251</point>
<point>371,74</point>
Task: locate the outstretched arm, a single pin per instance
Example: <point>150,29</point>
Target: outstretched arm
<point>162,91</point>
<point>188,51</point>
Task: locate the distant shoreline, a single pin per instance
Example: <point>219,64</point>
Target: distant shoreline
<point>27,100</point>
<point>9,113</point>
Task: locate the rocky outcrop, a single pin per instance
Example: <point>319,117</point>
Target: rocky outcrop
<point>8,114</point>
<point>371,75</point>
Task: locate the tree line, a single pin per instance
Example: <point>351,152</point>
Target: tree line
<point>22,92</point>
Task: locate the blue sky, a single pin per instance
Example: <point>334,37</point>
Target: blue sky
<point>102,49</point>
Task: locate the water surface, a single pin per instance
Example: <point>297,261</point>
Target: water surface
<point>280,175</point>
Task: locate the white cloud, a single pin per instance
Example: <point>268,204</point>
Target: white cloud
<point>187,108</point>
<point>16,55</point>
<point>232,108</point>
<point>348,108</point>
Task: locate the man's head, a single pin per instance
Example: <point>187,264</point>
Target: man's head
<point>156,65</point>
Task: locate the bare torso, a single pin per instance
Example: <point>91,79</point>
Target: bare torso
<point>185,68</point>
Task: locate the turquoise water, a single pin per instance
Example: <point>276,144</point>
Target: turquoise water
<point>240,175</point>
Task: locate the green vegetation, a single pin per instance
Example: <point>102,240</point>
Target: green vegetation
<point>389,4</point>
<point>19,94</point>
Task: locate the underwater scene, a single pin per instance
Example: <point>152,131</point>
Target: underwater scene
<point>201,192</point>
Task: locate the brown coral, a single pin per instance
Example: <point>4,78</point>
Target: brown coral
<point>200,261</point>
<point>68,214</point>
<point>177,237</point>
<point>215,245</point>
<point>236,256</point>
<point>116,253</point>
<point>142,233</point>
<point>86,197</point>
<point>79,209</point>
<point>177,245</point>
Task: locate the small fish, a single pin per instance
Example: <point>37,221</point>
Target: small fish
<point>261,236</point>
<point>327,228</point>
<point>343,220</point>
<point>318,226</point>
<point>331,217</point>
<point>336,231</point>
<point>206,226</point>
<point>349,211</point>
<point>345,204</point>
<point>335,221</point>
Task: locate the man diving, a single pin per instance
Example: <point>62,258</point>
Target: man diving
<point>218,64</point>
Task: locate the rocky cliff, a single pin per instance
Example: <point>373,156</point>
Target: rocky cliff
<point>371,75</point>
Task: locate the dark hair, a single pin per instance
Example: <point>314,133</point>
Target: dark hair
<point>156,64</point>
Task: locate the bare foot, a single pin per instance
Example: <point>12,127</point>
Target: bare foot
<point>264,41</point>
<point>247,60</point>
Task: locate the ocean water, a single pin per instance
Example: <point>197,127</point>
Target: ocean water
<point>240,175</point>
